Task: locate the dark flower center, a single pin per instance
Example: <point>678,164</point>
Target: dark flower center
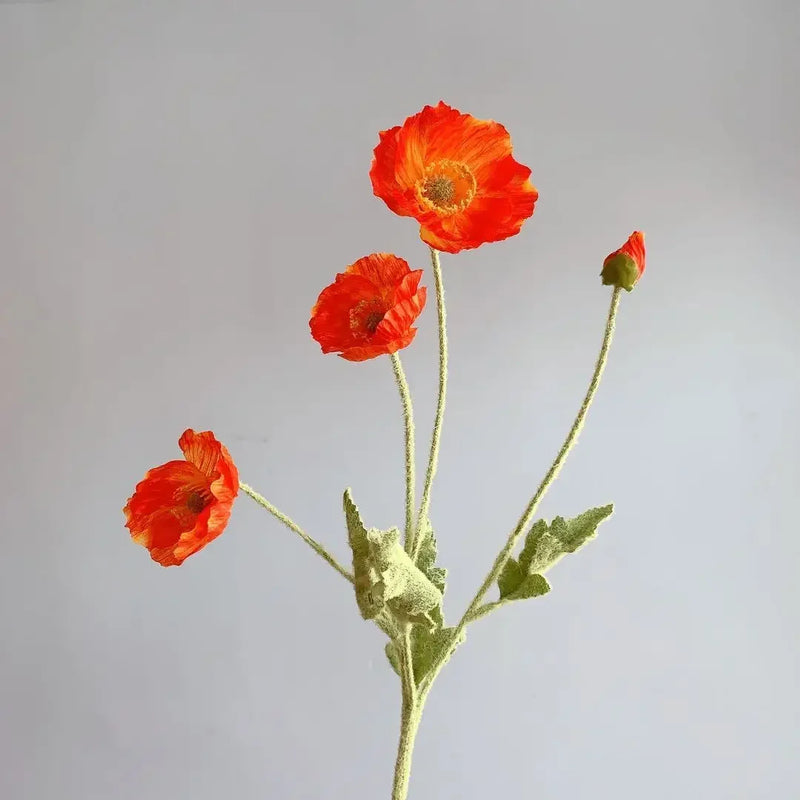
<point>439,190</point>
<point>366,316</point>
<point>373,320</point>
<point>195,502</point>
<point>447,187</point>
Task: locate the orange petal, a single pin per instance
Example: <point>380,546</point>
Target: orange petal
<point>201,449</point>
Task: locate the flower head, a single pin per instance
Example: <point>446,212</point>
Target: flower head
<point>369,309</point>
<point>179,507</point>
<point>456,176</point>
<point>625,266</point>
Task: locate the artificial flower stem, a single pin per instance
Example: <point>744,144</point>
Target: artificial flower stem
<point>408,416</point>
<point>292,525</point>
<point>472,610</point>
<point>436,436</point>
<point>410,717</point>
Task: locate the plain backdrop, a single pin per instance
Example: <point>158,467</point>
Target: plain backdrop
<point>180,179</point>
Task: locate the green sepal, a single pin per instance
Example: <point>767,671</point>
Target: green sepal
<point>620,270</point>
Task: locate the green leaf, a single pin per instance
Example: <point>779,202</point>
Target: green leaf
<point>515,584</point>
<point>544,546</point>
<point>426,560</point>
<point>393,654</point>
<point>409,593</point>
<point>532,586</point>
<point>547,544</point>
<point>385,575</point>
<point>510,579</point>
<point>370,602</point>
<point>426,647</point>
<point>577,531</point>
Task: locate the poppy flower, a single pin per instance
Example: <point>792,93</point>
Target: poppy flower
<point>456,176</point>
<point>181,506</point>
<point>369,309</point>
<point>625,266</point>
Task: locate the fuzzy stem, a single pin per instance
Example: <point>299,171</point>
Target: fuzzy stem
<point>530,510</point>
<point>436,436</point>
<point>410,717</point>
<point>408,416</point>
<point>289,523</point>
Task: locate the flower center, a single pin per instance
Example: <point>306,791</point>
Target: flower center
<point>440,190</point>
<point>195,502</point>
<point>447,187</point>
<point>373,320</point>
<point>366,316</point>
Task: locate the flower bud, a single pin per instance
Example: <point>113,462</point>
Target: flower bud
<point>625,266</point>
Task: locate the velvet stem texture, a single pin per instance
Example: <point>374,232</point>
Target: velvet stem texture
<point>408,417</point>
<point>530,510</point>
<point>433,458</point>
<point>292,525</point>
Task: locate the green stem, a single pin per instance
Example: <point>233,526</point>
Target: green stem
<point>408,416</point>
<point>436,436</point>
<point>410,717</point>
<point>289,523</point>
<point>530,510</point>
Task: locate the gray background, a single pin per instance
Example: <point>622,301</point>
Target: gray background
<point>179,180</point>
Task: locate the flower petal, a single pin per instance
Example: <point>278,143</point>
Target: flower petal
<point>428,150</point>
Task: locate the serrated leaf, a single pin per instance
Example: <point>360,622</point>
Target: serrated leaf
<point>438,577</point>
<point>370,602</point>
<point>426,561</point>
<point>428,550</point>
<point>577,531</point>
<point>408,592</point>
<point>385,576</point>
<point>510,579</point>
<point>531,586</point>
<point>538,529</point>
<point>546,544</point>
<point>426,647</point>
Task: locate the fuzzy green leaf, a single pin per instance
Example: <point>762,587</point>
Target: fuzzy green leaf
<point>510,579</point>
<point>547,544</point>
<point>385,576</point>
<point>515,584</point>
<point>393,655</point>
<point>544,546</point>
<point>369,601</point>
<point>408,592</point>
<point>575,532</point>
<point>532,586</point>
<point>426,561</point>
<point>426,646</point>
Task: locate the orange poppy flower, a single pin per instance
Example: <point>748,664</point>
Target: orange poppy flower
<point>369,309</point>
<point>181,506</point>
<point>456,176</point>
<point>625,266</point>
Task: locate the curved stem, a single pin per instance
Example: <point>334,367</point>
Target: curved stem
<point>292,525</point>
<point>530,510</point>
<point>436,436</point>
<point>408,416</point>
